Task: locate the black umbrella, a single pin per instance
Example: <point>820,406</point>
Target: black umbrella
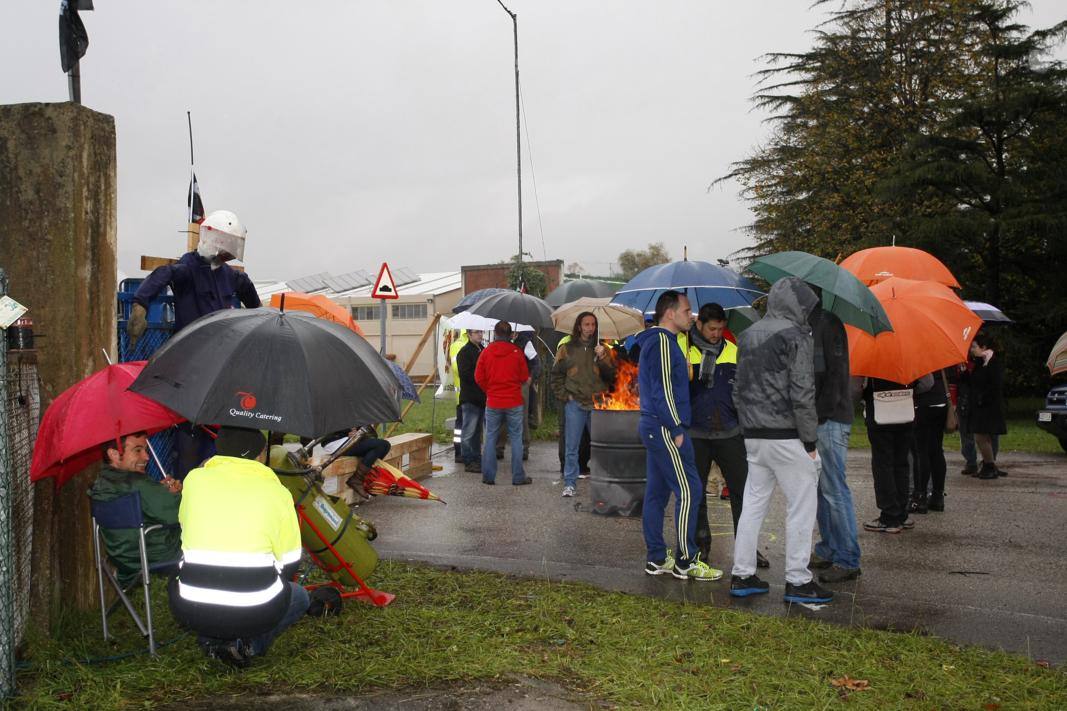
<point>272,370</point>
<point>515,307</point>
<point>474,297</point>
<point>575,289</point>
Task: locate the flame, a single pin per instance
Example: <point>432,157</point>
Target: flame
<point>624,395</point>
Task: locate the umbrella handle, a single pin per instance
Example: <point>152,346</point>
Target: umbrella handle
<point>155,458</point>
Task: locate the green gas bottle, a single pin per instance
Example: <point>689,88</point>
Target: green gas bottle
<point>349,534</point>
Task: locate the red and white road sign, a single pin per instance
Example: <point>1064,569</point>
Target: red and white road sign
<point>384,286</point>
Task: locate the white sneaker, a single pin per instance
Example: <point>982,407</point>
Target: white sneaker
<point>568,491</point>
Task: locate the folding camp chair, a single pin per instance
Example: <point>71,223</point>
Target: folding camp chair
<point>125,513</point>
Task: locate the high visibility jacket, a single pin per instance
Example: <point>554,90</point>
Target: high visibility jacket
<point>453,354</point>
<point>693,356</point>
<point>240,543</point>
<point>713,402</point>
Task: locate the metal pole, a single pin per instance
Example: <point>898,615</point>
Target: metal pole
<point>74,83</point>
<point>518,136</point>
<point>7,560</point>
<point>381,323</point>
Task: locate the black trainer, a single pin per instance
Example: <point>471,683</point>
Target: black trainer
<point>837,574</point>
<point>473,467</point>
<point>743,587</point>
<point>988,471</point>
<point>817,562</point>
<point>937,501</point>
<point>810,591</point>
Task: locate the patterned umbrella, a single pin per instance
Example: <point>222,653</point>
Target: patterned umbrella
<point>1057,359</point>
<point>386,480</point>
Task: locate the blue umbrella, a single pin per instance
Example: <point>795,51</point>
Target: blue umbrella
<point>408,391</point>
<point>474,297</point>
<point>702,282</point>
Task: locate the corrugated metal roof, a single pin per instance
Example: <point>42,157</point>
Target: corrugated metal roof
<point>359,283</point>
<point>432,283</point>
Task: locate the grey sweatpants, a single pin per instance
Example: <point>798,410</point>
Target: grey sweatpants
<point>781,462</point>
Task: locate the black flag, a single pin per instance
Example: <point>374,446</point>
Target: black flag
<point>73,40</point>
<point>193,201</point>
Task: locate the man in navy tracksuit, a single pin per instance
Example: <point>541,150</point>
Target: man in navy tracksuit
<point>663,385</point>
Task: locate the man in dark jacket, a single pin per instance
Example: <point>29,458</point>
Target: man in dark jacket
<point>837,554</point>
<point>202,283</point>
<point>124,473</point>
<point>663,382</point>
<point>501,372</point>
<point>471,402</point>
<point>716,430</point>
<point>775,396</point>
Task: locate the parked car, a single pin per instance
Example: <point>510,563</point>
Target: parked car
<point>1053,417</point>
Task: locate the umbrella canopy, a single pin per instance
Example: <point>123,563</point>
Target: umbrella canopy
<point>842,293</point>
<point>266,369</point>
<point>1057,359</point>
<point>702,282</point>
<point>96,410</point>
<point>316,305</point>
<point>879,263</point>
<point>386,480</point>
<point>474,297</point>
<point>988,313</point>
<point>575,289</point>
<point>473,322</point>
<point>740,318</point>
<point>408,391</point>
<point>932,329</point>
<point>613,321</point>
<point>515,307</point>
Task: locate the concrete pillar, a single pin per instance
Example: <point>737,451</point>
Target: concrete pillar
<point>58,245</point>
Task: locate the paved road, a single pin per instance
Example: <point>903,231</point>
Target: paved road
<point>990,570</point>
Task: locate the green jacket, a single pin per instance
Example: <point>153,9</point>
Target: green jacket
<point>576,373</point>
<point>158,505</point>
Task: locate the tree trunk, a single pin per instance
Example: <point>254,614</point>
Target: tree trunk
<point>58,245</point>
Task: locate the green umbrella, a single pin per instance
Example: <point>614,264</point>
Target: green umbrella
<point>842,293</point>
<point>740,318</point>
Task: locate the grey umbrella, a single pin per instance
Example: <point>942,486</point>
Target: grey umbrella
<point>575,289</point>
<point>515,307</point>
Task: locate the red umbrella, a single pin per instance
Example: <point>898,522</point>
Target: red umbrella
<point>96,410</point>
<point>386,480</point>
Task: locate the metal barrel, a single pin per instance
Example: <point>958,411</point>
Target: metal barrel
<point>617,463</point>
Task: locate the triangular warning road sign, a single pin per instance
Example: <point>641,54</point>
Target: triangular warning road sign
<point>384,286</point>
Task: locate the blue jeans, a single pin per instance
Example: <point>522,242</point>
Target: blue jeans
<point>471,438</point>
<point>494,418</point>
<point>575,423</point>
<point>836,516</point>
<point>298,606</point>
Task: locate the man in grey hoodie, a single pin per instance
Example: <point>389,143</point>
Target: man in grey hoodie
<point>775,397</point>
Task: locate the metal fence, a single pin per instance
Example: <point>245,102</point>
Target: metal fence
<point>20,408</point>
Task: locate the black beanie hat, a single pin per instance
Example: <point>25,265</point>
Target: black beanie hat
<point>240,442</point>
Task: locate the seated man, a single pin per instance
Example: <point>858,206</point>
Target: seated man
<point>123,473</point>
<point>241,547</point>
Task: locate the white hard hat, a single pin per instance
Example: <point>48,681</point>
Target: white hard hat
<point>221,231</point>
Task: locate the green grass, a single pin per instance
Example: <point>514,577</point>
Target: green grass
<point>1023,433</point>
<point>428,416</point>
<point>450,627</point>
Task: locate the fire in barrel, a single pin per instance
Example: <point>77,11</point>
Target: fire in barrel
<point>617,461</point>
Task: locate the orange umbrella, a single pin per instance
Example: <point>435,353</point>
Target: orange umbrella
<point>317,305</point>
<point>932,329</point>
<point>879,263</point>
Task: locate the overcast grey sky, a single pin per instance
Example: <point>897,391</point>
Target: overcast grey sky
<point>348,133</point>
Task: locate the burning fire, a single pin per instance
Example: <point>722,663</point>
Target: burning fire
<point>624,395</point>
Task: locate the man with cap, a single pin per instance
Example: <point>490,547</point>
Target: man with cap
<point>240,548</point>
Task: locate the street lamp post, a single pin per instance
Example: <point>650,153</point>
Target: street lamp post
<point>518,139</point>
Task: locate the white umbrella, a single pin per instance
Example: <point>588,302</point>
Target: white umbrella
<point>614,321</point>
<point>473,322</point>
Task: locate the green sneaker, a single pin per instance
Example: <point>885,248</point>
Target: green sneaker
<point>696,570</point>
<point>654,568</point>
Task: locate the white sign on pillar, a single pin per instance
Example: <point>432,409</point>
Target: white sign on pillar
<point>384,289</point>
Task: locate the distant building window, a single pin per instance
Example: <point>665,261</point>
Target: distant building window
<point>366,313</point>
<point>409,312</point>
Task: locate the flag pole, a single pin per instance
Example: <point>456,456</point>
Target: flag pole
<point>192,164</point>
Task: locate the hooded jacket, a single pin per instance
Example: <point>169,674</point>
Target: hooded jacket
<point>500,372</point>
<point>466,362</point>
<point>711,391</point>
<point>775,389</point>
<point>663,381</point>
<point>158,506</point>
<point>576,372</point>
<point>198,289</point>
